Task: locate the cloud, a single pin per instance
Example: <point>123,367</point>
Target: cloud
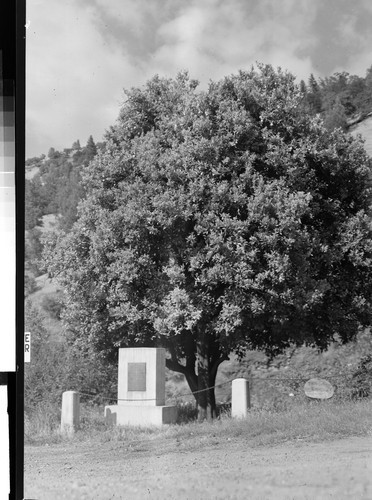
<point>74,79</point>
<point>343,34</point>
<point>356,40</point>
<point>81,54</point>
<point>212,38</point>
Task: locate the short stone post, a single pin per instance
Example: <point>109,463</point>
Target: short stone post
<point>240,398</point>
<point>70,417</point>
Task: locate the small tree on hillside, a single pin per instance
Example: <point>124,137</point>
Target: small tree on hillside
<point>90,150</point>
<point>314,95</point>
<point>216,222</point>
<point>76,145</point>
<point>335,117</point>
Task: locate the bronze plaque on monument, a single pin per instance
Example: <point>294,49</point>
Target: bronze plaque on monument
<point>136,376</point>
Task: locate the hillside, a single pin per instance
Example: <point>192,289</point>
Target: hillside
<point>364,128</point>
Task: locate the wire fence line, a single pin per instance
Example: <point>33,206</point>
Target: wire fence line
<point>154,399</point>
<point>222,384</point>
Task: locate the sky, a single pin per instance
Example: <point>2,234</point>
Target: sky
<point>82,54</point>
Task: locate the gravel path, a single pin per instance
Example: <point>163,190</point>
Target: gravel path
<point>294,470</point>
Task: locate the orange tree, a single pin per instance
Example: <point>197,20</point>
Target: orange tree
<point>218,221</point>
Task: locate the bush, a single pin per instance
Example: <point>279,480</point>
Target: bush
<point>187,412</point>
<point>52,304</point>
<point>362,378</point>
<point>42,421</point>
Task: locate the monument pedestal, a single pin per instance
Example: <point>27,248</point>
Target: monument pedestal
<point>142,416</point>
<point>141,390</point>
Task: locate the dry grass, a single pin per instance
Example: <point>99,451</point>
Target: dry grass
<point>310,421</point>
<point>42,425</point>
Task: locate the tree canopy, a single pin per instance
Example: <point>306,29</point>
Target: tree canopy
<point>218,221</point>
<point>342,99</point>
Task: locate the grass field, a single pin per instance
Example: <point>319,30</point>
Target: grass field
<point>311,420</point>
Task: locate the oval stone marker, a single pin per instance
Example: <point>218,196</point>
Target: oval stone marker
<point>318,388</point>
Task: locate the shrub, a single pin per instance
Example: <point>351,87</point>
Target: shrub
<point>362,378</point>
<point>187,412</point>
<point>52,304</point>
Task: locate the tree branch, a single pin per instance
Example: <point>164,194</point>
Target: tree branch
<point>217,363</point>
<point>175,366</point>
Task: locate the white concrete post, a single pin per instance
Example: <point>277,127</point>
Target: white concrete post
<point>240,398</point>
<point>70,417</point>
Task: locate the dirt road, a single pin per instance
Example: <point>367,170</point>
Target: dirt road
<point>231,470</point>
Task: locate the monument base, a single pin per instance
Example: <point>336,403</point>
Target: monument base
<point>140,416</point>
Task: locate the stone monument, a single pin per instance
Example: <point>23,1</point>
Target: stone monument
<point>141,389</point>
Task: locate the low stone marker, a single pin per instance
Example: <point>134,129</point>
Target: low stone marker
<point>240,398</point>
<point>70,416</point>
<point>141,389</point>
<point>318,388</point>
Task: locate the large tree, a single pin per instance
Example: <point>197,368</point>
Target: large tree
<point>218,221</point>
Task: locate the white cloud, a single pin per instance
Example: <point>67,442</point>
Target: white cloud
<point>82,53</point>
<point>212,38</point>
<point>357,42</point>
<point>74,80</point>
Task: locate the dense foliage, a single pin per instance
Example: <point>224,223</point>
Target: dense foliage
<point>56,187</point>
<point>216,222</point>
<point>342,99</point>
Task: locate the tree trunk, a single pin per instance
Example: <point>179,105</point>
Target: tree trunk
<point>187,370</point>
<point>206,379</point>
<point>208,358</point>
